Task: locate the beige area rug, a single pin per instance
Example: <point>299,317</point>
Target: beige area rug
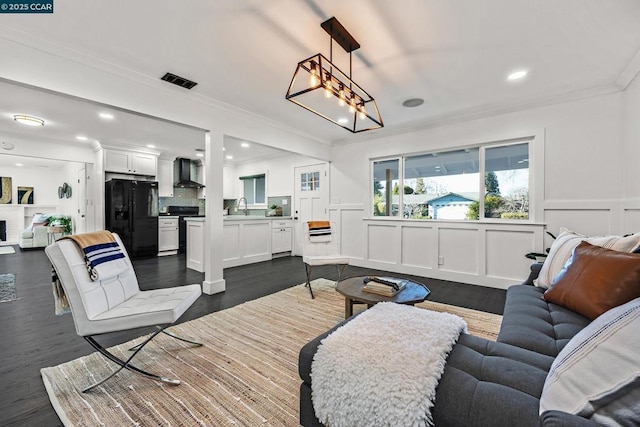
<point>246,374</point>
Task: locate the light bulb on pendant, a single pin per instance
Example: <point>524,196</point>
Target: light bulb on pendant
<point>342,100</point>
<point>352,105</point>
<point>363,112</point>
<point>328,87</point>
<point>313,75</point>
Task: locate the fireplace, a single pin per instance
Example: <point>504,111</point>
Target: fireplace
<point>3,231</point>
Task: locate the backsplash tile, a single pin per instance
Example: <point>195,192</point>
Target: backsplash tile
<point>273,200</point>
<point>182,197</point>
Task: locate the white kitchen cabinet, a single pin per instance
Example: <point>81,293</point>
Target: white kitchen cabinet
<point>281,235</point>
<point>200,177</point>
<point>167,235</point>
<point>246,241</point>
<point>165,178</point>
<point>195,244</point>
<point>130,162</point>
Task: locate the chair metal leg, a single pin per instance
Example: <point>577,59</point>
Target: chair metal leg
<point>164,331</point>
<point>307,267</point>
<point>126,364</point>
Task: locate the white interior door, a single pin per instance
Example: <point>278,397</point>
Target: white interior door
<point>81,219</point>
<point>311,198</point>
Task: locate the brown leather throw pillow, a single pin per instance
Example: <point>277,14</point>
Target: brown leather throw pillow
<point>595,280</point>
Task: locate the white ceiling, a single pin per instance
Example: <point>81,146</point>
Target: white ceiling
<point>455,54</point>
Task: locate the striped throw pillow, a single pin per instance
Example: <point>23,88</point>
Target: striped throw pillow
<point>597,373</point>
<point>567,240</point>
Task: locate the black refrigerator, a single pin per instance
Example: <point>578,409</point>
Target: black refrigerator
<point>131,210</point>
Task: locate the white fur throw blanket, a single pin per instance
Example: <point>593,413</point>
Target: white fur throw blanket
<point>382,368</point>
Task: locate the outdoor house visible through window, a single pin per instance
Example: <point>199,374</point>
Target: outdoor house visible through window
<point>448,185</point>
<point>254,189</point>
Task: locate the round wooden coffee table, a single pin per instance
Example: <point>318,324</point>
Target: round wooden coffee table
<point>351,288</point>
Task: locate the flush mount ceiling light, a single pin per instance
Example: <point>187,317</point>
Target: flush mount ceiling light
<point>28,120</point>
<point>106,116</point>
<point>317,82</point>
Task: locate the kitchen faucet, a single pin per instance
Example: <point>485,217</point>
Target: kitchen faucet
<point>246,208</point>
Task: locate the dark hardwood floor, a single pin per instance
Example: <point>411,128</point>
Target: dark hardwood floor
<point>32,337</point>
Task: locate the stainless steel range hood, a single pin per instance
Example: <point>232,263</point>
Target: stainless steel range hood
<point>182,173</point>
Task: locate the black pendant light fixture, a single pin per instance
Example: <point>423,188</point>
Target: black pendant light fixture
<point>322,88</point>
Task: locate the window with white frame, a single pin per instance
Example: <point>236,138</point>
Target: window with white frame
<point>490,181</point>
<point>254,189</point>
<point>310,181</point>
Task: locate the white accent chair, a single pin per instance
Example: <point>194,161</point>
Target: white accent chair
<point>117,304</point>
<point>36,234</point>
<point>322,253</point>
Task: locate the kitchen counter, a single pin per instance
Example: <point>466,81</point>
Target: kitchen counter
<point>253,218</point>
<point>195,219</point>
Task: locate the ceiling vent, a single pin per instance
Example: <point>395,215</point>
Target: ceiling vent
<point>177,80</point>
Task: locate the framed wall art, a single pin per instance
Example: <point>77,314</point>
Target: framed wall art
<point>25,195</point>
<point>5,190</point>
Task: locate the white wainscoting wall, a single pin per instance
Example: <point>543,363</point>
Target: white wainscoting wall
<point>484,253</point>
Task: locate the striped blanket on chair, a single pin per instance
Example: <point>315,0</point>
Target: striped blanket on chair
<point>102,254</point>
<point>319,231</point>
<point>103,257</point>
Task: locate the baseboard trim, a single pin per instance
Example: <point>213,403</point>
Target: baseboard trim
<point>215,287</point>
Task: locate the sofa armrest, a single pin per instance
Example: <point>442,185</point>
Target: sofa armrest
<point>533,274</point>
<point>563,419</point>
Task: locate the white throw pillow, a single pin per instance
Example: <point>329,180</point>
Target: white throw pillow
<point>567,240</point>
<point>598,371</point>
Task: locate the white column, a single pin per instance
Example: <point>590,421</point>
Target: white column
<point>213,279</point>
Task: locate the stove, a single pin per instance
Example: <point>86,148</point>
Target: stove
<point>183,212</point>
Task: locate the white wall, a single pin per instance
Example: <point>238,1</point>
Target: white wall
<point>279,171</point>
<point>45,182</point>
<point>69,206</point>
<point>631,154</point>
<point>631,138</point>
<point>582,190</point>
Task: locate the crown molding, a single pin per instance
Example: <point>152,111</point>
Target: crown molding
<point>64,52</point>
<point>479,113</point>
<point>630,72</point>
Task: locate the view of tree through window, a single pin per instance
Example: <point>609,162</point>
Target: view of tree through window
<point>385,179</point>
<point>448,185</point>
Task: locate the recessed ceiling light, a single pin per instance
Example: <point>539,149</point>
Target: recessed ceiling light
<point>81,138</point>
<point>245,145</point>
<point>229,157</point>
<point>224,148</point>
<point>19,164</point>
<point>200,154</point>
<point>151,146</point>
<point>413,102</point>
<point>28,120</point>
<point>517,75</point>
<point>343,120</point>
<point>106,116</point>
